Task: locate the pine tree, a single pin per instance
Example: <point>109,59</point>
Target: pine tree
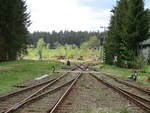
<point>14,21</point>
<point>128,28</point>
<point>115,40</point>
<point>138,25</point>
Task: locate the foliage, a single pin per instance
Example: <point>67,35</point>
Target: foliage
<point>63,38</point>
<point>13,29</point>
<point>67,51</point>
<point>40,44</point>
<point>92,43</point>
<point>125,110</point>
<point>139,62</point>
<point>128,28</point>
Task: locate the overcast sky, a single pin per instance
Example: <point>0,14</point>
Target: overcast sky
<point>49,15</point>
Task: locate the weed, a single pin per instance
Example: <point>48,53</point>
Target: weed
<point>124,110</point>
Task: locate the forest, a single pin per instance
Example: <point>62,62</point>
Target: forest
<point>63,38</point>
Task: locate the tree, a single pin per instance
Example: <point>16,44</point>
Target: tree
<point>115,42</point>
<point>128,28</point>
<point>66,37</point>
<point>40,47</point>
<point>14,21</point>
<point>138,25</point>
<point>92,43</point>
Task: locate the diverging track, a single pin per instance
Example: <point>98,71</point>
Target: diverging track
<point>141,100</point>
<point>39,96</point>
<point>138,100</point>
<point>54,95</point>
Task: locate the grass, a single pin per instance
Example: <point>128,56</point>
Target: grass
<point>23,70</point>
<point>124,73</point>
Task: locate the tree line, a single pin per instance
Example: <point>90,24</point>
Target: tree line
<point>63,38</point>
<point>129,27</point>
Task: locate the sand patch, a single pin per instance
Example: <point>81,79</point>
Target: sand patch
<point>5,67</point>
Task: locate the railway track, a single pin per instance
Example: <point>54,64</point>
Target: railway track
<point>15,99</point>
<point>130,87</point>
<point>45,102</point>
<point>24,90</point>
<point>125,83</point>
<point>144,90</point>
<point>48,97</point>
<point>140,101</point>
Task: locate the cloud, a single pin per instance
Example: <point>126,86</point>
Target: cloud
<point>48,15</point>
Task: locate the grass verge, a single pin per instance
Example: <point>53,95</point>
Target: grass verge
<point>23,70</point>
<point>124,73</point>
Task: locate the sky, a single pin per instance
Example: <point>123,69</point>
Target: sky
<point>76,15</point>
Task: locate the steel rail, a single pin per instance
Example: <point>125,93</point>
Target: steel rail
<point>8,95</point>
<point>17,106</point>
<point>138,102</point>
<point>80,67</point>
<point>52,110</point>
<point>128,84</point>
<point>124,82</point>
<point>35,93</point>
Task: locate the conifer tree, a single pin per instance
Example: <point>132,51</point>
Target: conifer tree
<point>115,40</point>
<point>138,25</point>
<point>129,27</point>
<point>14,21</point>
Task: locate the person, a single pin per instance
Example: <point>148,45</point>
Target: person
<point>133,76</point>
<point>40,54</point>
<point>53,69</point>
<point>68,63</point>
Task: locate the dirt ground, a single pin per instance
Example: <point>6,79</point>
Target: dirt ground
<point>90,95</point>
<point>5,67</point>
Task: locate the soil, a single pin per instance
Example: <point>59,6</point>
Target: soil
<point>90,95</point>
<point>5,67</point>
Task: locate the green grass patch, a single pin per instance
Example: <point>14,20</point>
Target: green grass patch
<point>23,70</point>
<point>124,73</point>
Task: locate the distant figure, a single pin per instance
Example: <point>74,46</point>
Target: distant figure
<point>53,69</point>
<point>133,76</point>
<point>40,54</point>
<point>68,63</point>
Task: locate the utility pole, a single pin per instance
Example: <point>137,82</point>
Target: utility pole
<point>101,45</point>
